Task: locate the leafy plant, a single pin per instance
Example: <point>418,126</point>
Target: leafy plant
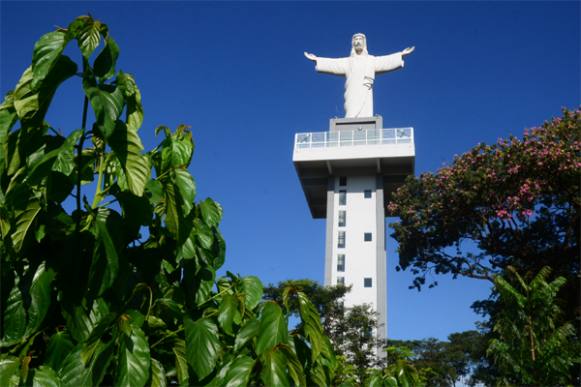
<point>513,203</point>
<point>352,331</point>
<point>529,346</point>
<point>122,289</point>
<point>400,372</point>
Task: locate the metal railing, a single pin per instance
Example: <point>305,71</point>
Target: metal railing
<point>354,137</point>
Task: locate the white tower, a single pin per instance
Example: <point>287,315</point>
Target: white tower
<point>348,175</point>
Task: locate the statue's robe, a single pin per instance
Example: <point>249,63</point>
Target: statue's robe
<point>359,71</point>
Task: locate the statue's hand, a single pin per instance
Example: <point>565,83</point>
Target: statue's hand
<point>310,56</point>
<point>408,51</point>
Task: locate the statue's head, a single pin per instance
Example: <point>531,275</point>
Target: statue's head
<point>358,44</point>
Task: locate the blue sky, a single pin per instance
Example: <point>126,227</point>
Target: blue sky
<point>235,72</point>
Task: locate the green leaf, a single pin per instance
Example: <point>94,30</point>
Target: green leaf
<point>107,102</point>
<point>26,101</point>
<point>87,32</point>
<point>274,369</point>
<point>211,212</point>
<point>205,283</point>
<point>9,371</point>
<point>8,118</point>
<point>239,372</point>
<point>202,346</point>
<point>31,101</point>
<point>65,160</point>
<point>158,378</point>
<point>14,317</point>
<point>226,312</point>
<point>60,159</point>
<point>179,350</point>
<point>187,189</point>
<point>47,50</point>
<point>137,211</point>
<point>59,346</point>
<point>253,291</point>
<point>177,151</point>
<point>24,219</point>
<point>134,359</point>
<point>204,235</point>
<point>100,361</point>
<point>155,190</point>
<point>187,249</point>
<point>133,98</point>
<point>73,371</point>
<point>172,213</point>
<point>127,146</point>
<point>312,324</point>
<point>82,323</point>
<point>273,327</point>
<point>40,298</point>
<point>45,376</point>
<point>109,229</point>
<point>104,66</point>
<point>249,331</point>
<point>295,368</point>
<point>317,375</point>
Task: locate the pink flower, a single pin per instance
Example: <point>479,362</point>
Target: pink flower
<point>527,212</point>
<point>503,214</point>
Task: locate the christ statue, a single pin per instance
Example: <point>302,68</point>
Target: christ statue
<point>359,70</point>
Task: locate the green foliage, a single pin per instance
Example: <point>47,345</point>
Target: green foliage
<point>529,345</point>
<point>442,363</point>
<point>352,333</point>
<point>514,204</point>
<point>517,201</point>
<point>400,371</point>
<point>122,290</point>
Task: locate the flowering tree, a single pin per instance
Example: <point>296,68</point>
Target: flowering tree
<point>512,203</point>
<point>515,204</point>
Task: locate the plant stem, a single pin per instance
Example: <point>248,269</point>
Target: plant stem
<point>97,197</point>
<point>169,335</point>
<point>79,166</point>
<point>79,152</point>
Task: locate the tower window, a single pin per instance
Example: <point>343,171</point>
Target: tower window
<point>342,218</point>
<point>367,282</point>
<point>343,181</point>
<point>341,262</point>
<point>342,197</point>
<point>341,239</point>
<point>340,280</point>
<point>367,194</point>
<point>367,237</point>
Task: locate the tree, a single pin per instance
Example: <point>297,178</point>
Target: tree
<point>443,363</point>
<point>517,201</point>
<point>352,331</point>
<point>399,372</point>
<point>513,203</point>
<point>122,290</point>
<point>529,346</point>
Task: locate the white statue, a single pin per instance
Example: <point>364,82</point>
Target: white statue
<point>359,70</point>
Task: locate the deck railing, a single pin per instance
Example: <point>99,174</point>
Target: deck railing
<point>354,137</point>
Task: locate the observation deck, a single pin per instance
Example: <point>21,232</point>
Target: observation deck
<point>385,152</point>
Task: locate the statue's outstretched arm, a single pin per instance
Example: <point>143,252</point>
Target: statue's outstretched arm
<point>408,50</point>
<point>335,66</point>
<point>310,56</point>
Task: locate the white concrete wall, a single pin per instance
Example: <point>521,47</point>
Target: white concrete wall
<point>360,256</point>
